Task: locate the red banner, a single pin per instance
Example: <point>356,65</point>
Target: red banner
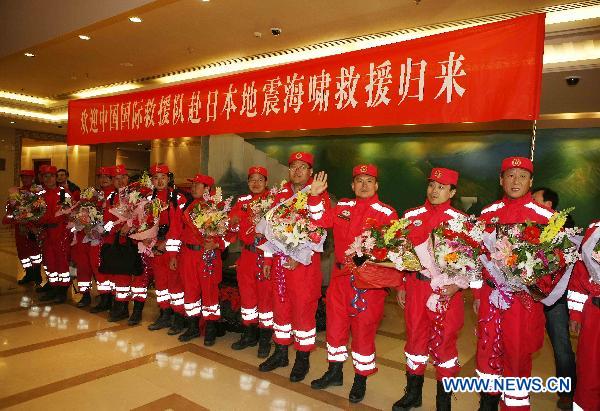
<point>483,73</point>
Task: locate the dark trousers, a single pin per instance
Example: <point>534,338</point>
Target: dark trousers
<point>557,327</point>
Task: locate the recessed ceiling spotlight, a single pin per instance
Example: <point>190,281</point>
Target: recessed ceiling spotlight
<point>28,54</point>
<point>135,19</point>
<point>84,37</point>
<point>139,144</point>
<point>205,1</point>
<point>12,122</point>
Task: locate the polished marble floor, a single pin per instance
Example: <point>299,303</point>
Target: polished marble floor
<point>59,357</point>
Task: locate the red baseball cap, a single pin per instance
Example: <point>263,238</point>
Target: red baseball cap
<point>105,171</point>
<point>306,157</point>
<point>27,173</point>
<point>444,176</point>
<point>204,179</point>
<point>258,170</point>
<point>46,169</point>
<point>159,168</point>
<point>119,170</point>
<point>368,169</point>
<point>517,162</point>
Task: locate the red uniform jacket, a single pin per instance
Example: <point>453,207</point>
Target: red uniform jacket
<point>245,229</point>
<point>182,230</point>
<point>426,218</point>
<point>349,219</point>
<point>581,287</point>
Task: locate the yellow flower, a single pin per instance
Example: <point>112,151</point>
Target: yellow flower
<point>301,201</point>
<point>451,258</point>
<point>556,223</point>
<point>390,233</point>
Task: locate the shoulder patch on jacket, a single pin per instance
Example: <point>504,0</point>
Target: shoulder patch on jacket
<point>539,210</point>
<point>382,209</point>
<point>415,212</point>
<point>493,207</point>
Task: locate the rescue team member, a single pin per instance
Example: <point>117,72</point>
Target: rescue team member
<point>85,255</point>
<point>419,319</point>
<point>522,324</point>
<point>255,289</point>
<point>28,249</point>
<point>294,312</point>
<point>349,219</point>
<point>584,305</point>
<point>199,262</point>
<point>56,242</point>
<point>170,201</point>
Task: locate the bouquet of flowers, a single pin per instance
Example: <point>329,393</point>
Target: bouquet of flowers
<point>377,256</point>
<point>529,256</point>
<point>590,253</point>
<point>87,218</point>
<point>596,252</point>
<point>289,230</point>
<point>26,206</point>
<point>210,216</point>
<point>457,245</point>
<point>260,206</point>
<point>451,257</point>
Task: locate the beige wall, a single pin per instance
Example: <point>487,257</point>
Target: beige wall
<point>7,152</point>
<point>182,155</point>
<point>76,159</point>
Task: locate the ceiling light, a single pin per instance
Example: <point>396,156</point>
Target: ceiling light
<point>28,54</point>
<point>135,19</point>
<point>26,99</point>
<point>84,37</point>
<point>205,1</point>
<point>366,126</point>
<point>59,117</point>
<point>575,14</point>
<point>100,91</point>
<point>12,122</point>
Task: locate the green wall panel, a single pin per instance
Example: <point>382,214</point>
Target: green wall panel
<point>567,160</point>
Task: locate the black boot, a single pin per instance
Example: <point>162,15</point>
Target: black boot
<point>163,320</point>
<point>210,333</point>
<point>193,331</point>
<point>443,399</point>
<point>359,388</point>
<point>50,294</point>
<point>333,377</point>
<point>119,311</point>
<point>264,342</point>
<point>103,305</point>
<point>61,294</point>
<point>28,277</point>
<point>177,324</point>
<point>43,289</point>
<point>301,366</point>
<point>249,338</point>
<point>37,274</point>
<point>86,299</point>
<point>488,402</point>
<point>136,315</point>
<point>279,358</point>
<point>413,396</point>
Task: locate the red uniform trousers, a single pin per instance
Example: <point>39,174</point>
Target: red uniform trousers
<point>343,319</point>
<point>28,250</point>
<point>587,393</point>
<point>294,311</point>
<point>105,282</point>
<point>420,321</point>
<point>200,283</point>
<point>55,256</point>
<point>256,292</point>
<point>87,259</point>
<point>125,287</point>
<point>161,272</point>
<point>130,287</point>
<point>176,289</point>
<point>522,334</point>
